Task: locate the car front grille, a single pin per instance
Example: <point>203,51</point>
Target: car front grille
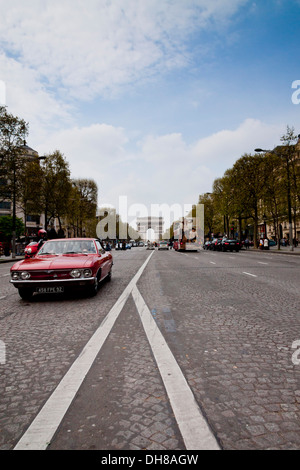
<point>49,275</point>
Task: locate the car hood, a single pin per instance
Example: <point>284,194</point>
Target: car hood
<point>55,262</point>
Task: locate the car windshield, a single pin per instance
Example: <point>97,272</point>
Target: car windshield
<point>62,247</point>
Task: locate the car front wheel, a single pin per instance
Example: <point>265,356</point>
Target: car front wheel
<point>25,293</point>
<point>93,289</point>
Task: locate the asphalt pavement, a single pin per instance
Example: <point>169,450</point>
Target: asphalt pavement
<point>180,351</point>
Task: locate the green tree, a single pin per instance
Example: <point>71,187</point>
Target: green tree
<point>13,131</point>
<point>83,203</point>
<point>56,188</point>
<point>6,227</point>
<point>248,179</point>
<point>30,185</point>
<point>274,197</point>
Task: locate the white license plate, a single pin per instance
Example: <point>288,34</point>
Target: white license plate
<point>50,290</point>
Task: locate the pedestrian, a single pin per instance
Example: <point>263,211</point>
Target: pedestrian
<point>266,244</point>
<point>42,236</point>
<point>247,243</point>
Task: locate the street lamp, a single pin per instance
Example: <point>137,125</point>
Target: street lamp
<point>265,224</point>
<point>288,193</point>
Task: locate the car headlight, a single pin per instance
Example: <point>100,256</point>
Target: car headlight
<point>25,275</point>
<point>75,273</point>
<point>87,273</point>
<point>15,276</point>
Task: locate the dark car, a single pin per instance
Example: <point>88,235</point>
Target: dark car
<point>215,244</point>
<point>62,264</point>
<point>230,244</point>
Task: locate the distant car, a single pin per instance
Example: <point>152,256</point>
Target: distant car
<point>206,245</point>
<point>141,244</point>
<point>31,249</point>
<point>230,244</point>
<point>61,264</point>
<point>128,246</point>
<point>272,243</point>
<point>163,245</point>
<point>150,246</point>
<point>215,244</point>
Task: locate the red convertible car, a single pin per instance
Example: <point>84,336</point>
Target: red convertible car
<point>62,264</point>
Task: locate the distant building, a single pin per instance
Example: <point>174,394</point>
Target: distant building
<point>146,223</point>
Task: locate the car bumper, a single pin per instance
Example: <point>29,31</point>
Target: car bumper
<point>53,282</point>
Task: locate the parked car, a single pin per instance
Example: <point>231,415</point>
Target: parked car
<point>206,245</point>
<point>163,245</point>
<point>215,244</point>
<point>230,244</point>
<point>62,264</point>
<point>272,243</point>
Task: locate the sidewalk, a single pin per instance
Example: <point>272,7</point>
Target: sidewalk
<point>7,259</point>
<point>283,249</point>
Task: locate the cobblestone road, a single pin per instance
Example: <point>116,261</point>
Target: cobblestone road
<point>230,321</point>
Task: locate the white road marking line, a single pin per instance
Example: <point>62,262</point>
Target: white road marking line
<point>249,274</point>
<point>4,297</point>
<point>45,424</point>
<point>193,427</point>
<point>4,275</point>
<point>261,262</point>
<point>211,262</point>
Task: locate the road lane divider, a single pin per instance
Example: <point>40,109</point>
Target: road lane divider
<point>39,434</point>
<point>249,274</point>
<point>193,427</point>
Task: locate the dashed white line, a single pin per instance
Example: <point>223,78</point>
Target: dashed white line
<point>249,274</point>
<point>261,262</point>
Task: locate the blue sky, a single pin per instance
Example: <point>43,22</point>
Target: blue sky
<point>153,99</point>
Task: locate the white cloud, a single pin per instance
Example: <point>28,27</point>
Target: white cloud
<point>89,48</point>
<point>158,169</point>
